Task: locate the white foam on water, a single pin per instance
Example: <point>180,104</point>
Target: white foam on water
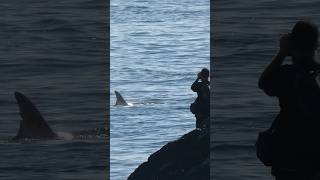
<point>65,135</point>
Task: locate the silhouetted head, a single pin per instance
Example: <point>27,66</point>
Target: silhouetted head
<point>304,41</point>
<point>204,74</point>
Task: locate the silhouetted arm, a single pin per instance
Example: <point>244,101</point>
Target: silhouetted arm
<point>195,86</point>
<point>272,72</point>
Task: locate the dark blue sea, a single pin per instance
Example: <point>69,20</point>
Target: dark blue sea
<point>157,49</point>
<point>246,37</point>
<point>55,53</point>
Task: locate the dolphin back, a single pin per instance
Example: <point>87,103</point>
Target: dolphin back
<point>120,101</point>
<point>32,125</point>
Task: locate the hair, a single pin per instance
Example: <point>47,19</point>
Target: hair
<point>205,72</point>
<point>305,36</point>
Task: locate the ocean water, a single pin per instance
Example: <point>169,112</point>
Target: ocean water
<point>246,37</point>
<point>55,53</point>
<point>157,48</point>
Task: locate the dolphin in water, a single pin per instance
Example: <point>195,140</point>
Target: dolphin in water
<point>34,126</point>
<point>120,101</point>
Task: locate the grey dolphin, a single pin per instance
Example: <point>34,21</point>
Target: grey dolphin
<point>120,101</point>
<point>32,125</point>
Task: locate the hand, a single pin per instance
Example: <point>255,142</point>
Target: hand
<point>285,45</point>
<point>199,75</point>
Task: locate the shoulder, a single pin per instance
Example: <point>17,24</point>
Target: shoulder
<point>287,68</point>
<point>204,84</point>
<point>286,72</point>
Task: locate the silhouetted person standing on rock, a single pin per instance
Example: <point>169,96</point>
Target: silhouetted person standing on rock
<point>296,129</point>
<point>201,106</point>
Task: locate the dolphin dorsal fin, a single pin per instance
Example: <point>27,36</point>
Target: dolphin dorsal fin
<point>120,101</point>
<point>32,125</point>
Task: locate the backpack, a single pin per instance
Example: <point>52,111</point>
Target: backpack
<point>194,108</point>
<point>265,147</point>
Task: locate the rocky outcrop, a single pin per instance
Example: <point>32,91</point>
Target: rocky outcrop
<point>184,159</point>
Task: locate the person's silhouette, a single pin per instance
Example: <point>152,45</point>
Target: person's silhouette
<point>201,106</point>
<point>296,129</point>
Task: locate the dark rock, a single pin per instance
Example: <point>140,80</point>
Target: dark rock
<point>184,159</point>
